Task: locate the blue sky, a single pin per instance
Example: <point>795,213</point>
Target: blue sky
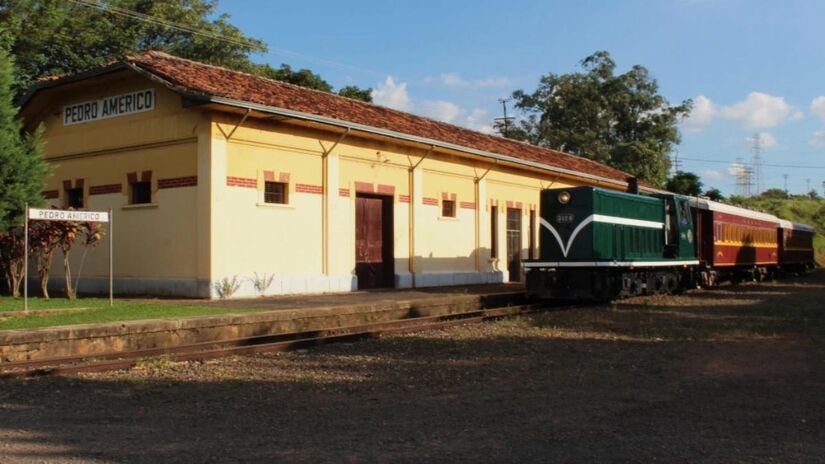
<point>751,66</point>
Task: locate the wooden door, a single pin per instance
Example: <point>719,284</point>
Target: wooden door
<point>514,244</point>
<point>373,242</point>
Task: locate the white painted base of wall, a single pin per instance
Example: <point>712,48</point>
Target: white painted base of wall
<point>447,278</point>
<point>128,286</point>
<point>281,285</point>
<point>295,284</point>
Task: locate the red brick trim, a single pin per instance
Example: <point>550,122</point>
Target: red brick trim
<point>430,201</point>
<point>386,189</point>
<point>131,177</point>
<point>448,196</point>
<point>104,189</point>
<point>269,176</point>
<point>146,176</point>
<point>519,205</point>
<point>51,194</point>
<point>468,205</point>
<point>307,188</point>
<point>245,182</point>
<point>343,192</point>
<point>67,184</point>
<point>365,187</point>
<point>283,177</point>
<point>78,183</point>
<point>404,198</point>
<point>175,182</point>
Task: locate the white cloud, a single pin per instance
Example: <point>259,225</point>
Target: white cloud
<point>757,111</point>
<point>760,110</point>
<point>818,106</point>
<point>455,80</point>
<point>766,140</point>
<point>392,95</point>
<point>441,110</point>
<point>701,115</point>
<point>819,138</point>
<point>734,169</point>
<point>479,120</point>
<point>712,174</point>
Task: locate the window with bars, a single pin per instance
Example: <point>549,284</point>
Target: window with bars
<point>74,198</point>
<point>448,208</point>
<point>275,192</point>
<point>140,193</point>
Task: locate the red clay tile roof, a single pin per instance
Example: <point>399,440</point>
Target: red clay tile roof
<point>221,82</point>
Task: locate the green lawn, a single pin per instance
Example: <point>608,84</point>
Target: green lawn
<point>99,311</point>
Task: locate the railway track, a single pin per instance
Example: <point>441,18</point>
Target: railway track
<point>257,344</point>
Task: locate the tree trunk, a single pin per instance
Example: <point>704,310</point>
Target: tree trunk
<point>68,271</point>
<point>44,284</point>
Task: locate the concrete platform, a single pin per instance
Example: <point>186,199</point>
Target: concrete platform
<point>279,315</point>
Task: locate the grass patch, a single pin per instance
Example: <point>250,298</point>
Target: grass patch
<point>99,311</point>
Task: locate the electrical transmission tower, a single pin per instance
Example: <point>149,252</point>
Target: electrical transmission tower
<point>756,147</point>
<point>807,186</point>
<point>785,176</point>
<point>744,178</point>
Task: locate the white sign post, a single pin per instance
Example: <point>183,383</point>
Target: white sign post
<point>38,214</point>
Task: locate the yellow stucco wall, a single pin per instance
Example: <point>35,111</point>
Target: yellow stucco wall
<point>156,241</point>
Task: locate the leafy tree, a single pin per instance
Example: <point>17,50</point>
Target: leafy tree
<point>302,77</point>
<point>620,120</point>
<point>774,193</point>
<point>714,194</point>
<point>22,168</point>
<point>813,195</point>
<point>685,183</point>
<point>356,93</point>
<point>22,171</point>
<point>80,37</point>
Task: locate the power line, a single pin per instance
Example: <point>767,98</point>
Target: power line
<point>792,166</point>
<point>255,46</point>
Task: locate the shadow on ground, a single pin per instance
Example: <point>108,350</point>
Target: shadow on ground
<point>704,380</point>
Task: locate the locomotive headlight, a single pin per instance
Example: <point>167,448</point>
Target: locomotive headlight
<point>564,198</point>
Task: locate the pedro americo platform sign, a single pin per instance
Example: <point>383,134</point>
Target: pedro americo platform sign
<point>109,107</point>
<point>68,215</point>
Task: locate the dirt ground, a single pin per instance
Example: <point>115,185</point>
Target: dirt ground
<point>729,375</point>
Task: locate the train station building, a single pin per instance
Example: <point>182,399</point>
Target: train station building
<point>214,174</point>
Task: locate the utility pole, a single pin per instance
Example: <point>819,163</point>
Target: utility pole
<point>505,121</point>
<point>677,163</point>
<point>807,186</point>
<point>785,176</point>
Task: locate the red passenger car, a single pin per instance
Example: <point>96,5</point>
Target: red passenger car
<point>796,246</point>
<point>735,243</point>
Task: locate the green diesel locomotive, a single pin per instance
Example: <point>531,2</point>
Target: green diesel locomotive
<point>602,244</point>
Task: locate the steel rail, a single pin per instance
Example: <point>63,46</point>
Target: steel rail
<point>256,344</point>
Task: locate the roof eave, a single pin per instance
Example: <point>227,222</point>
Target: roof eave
<point>46,84</point>
<point>292,114</point>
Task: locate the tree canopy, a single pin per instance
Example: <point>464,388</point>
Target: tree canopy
<point>22,168</point>
<point>620,120</point>
<point>714,194</point>
<point>80,37</point>
<point>685,183</point>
